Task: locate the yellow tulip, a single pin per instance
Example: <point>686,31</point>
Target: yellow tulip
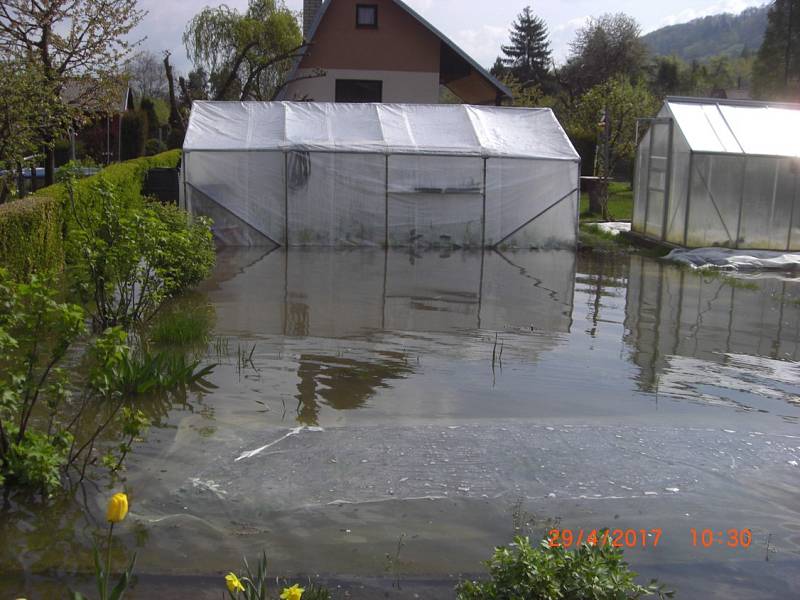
<point>117,508</point>
<point>292,593</point>
<point>233,583</point>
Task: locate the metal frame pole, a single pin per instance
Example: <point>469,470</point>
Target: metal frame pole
<point>741,206</point>
<point>667,181</point>
<point>386,205</point>
<point>483,214</point>
<point>647,181</point>
<point>688,199</point>
<point>286,199</point>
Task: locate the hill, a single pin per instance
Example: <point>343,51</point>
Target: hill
<point>703,38</point>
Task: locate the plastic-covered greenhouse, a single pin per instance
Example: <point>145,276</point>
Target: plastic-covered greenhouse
<point>720,173</point>
<point>323,174</point>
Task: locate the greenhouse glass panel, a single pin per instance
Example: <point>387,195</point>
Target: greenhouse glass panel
<point>640,191</point>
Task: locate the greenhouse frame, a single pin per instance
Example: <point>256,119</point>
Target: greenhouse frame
<point>325,174</point>
<point>720,173</point>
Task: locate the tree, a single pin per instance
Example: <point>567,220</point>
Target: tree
<point>28,105</point>
<point>247,56</point>
<point>777,67</point>
<point>527,57</point>
<point>68,40</point>
<point>606,47</point>
<point>146,73</point>
<point>607,113</point>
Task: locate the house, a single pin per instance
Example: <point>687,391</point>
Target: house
<point>712,172</point>
<point>382,51</point>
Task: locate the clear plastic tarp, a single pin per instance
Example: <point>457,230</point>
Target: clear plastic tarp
<point>321,174</point>
<point>732,171</point>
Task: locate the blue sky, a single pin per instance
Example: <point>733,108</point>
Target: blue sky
<point>478,26</point>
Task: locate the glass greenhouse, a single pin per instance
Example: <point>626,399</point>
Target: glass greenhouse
<point>318,174</point>
<point>720,173</point>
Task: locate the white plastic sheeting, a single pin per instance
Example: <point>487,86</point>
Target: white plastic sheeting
<point>714,173</point>
<point>736,260</point>
<point>316,174</point>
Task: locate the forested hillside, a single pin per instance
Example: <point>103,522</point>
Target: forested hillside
<point>700,39</point>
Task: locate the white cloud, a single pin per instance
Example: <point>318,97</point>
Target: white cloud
<point>483,43</point>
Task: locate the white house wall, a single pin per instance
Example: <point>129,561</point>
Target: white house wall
<point>398,86</point>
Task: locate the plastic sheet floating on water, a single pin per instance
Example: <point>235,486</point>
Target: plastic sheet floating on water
<point>736,260</point>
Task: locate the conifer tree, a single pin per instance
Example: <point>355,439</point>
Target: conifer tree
<point>527,57</point>
<point>776,72</point>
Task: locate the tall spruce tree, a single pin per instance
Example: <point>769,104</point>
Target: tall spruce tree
<point>527,57</point>
<point>776,72</point>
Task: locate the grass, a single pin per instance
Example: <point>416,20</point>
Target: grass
<point>184,324</point>
<point>620,202</point>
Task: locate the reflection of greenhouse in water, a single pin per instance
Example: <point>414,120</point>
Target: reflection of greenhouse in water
<point>679,324</point>
<point>346,293</point>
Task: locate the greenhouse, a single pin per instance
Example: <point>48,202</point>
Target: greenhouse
<point>720,173</point>
<point>323,174</point>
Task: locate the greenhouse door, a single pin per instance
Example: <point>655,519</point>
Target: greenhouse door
<point>658,176</point>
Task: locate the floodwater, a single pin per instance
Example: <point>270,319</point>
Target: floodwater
<point>381,420</point>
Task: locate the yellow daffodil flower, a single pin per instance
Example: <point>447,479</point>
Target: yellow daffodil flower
<point>233,583</point>
<point>117,508</point>
<point>292,593</point>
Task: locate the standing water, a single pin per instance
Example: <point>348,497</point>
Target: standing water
<point>383,419</point>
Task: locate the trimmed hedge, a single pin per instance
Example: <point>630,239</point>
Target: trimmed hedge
<point>31,236</point>
<point>127,176</point>
<point>32,229</point>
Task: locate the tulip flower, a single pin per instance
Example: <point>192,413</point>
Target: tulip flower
<point>117,508</point>
<point>292,593</point>
<point>233,583</point>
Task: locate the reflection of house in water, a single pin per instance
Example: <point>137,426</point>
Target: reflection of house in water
<point>346,293</point>
<point>691,330</point>
<point>343,383</point>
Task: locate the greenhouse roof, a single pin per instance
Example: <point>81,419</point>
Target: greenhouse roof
<point>451,129</point>
<point>737,127</point>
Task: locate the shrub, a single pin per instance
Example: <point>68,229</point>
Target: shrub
<point>30,236</point>
<point>154,146</point>
<point>591,572</point>
<point>135,130</point>
<point>128,259</point>
<point>51,418</point>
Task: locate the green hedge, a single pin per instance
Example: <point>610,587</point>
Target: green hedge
<point>30,236</point>
<point>127,176</point>
<point>32,229</point>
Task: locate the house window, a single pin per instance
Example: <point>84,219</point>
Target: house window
<point>359,90</point>
<point>367,16</point>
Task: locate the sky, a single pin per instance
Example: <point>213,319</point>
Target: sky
<point>477,26</point>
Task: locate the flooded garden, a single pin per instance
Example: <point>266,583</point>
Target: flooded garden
<point>379,420</point>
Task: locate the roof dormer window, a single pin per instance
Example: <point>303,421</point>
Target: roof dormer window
<point>367,16</point>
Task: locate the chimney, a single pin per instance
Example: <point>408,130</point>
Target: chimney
<point>310,10</point>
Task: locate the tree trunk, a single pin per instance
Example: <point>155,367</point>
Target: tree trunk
<point>49,167</point>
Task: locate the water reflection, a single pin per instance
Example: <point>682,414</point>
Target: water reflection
<point>346,293</point>
<point>708,337</point>
<point>342,383</point>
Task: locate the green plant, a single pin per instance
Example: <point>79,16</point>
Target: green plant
<point>154,146</point>
<point>128,259</point>
<point>30,236</point>
<point>50,423</point>
<point>590,572</point>
<point>253,585</point>
<point>183,323</point>
<point>116,512</point>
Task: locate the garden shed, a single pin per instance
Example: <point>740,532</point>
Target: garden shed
<point>326,174</point>
<point>720,173</point>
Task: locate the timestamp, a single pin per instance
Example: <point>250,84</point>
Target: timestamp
<point>732,538</point>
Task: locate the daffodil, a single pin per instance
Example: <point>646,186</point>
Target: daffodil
<point>233,583</point>
<point>292,593</point>
<point>117,508</point>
